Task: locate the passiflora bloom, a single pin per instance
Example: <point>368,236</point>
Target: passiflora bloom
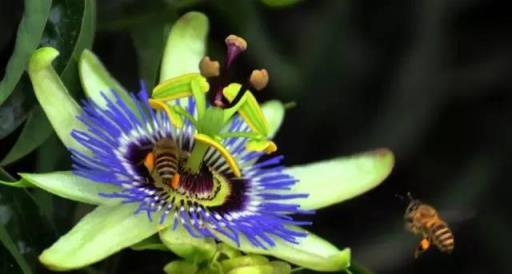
<point>192,161</point>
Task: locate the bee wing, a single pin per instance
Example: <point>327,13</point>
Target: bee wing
<point>457,216</point>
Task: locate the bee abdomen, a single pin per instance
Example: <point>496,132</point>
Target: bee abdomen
<point>443,237</point>
<point>166,165</point>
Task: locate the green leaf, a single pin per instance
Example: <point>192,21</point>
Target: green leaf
<point>13,112</point>
<point>73,187</point>
<point>274,112</point>
<point>101,233</point>
<point>336,180</point>
<point>182,244</point>
<point>70,28</point>
<point>97,80</point>
<point>60,108</point>
<point>185,46</point>
<point>311,252</point>
<point>180,267</point>
<point>30,138</point>
<point>25,230</point>
<point>9,244</point>
<point>29,34</point>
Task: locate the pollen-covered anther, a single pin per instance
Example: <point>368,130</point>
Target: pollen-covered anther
<point>259,79</point>
<point>239,42</point>
<point>209,68</point>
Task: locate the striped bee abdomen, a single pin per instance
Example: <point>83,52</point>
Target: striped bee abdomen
<point>162,162</point>
<point>166,164</point>
<point>442,237</point>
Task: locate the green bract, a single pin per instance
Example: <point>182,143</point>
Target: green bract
<point>113,226</point>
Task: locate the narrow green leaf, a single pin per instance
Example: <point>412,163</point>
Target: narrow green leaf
<point>274,112</point>
<point>36,126</point>
<point>311,252</point>
<point>84,41</point>
<point>71,33</point>
<point>29,34</point>
<point>60,108</point>
<point>4,175</point>
<point>69,186</point>
<point>280,3</point>
<point>185,46</point>
<point>182,244</point>
<point>101,233</point>
<point>9,244</point>
<point>336,180</point>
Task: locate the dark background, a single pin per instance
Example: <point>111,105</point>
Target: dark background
<point>429,79</point>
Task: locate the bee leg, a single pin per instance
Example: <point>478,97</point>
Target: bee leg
<point>423,245</point>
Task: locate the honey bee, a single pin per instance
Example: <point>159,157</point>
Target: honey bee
<point>162,163</point>
<point>422,219</point>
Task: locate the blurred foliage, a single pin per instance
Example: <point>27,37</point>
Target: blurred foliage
<point>428,79</point>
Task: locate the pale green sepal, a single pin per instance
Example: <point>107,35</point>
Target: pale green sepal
<point>281,267</point>
<point>311,252</point>
<point>228,250</point>
<point>253,269</point>
<point>96,79</point>
<point>336,180</point>
<point>185,46</point>
<point>69,186</point>
<point>101,233</point>
<point>274,112</point>
<point>182,244</point>
<point>180,267</point>
<point>60,108</point>
<point>230,264</point>
<point>151,243</point>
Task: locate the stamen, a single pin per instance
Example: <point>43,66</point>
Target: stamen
<point>259,79</point>
<point>209,68</point>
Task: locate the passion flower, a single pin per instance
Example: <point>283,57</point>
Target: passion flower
<point>192,156</point>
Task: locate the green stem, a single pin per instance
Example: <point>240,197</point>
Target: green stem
<point>196,157</point>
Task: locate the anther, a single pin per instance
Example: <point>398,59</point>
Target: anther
<point>235,45</point>
<point>259,79</point>
<point>209,68</point>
